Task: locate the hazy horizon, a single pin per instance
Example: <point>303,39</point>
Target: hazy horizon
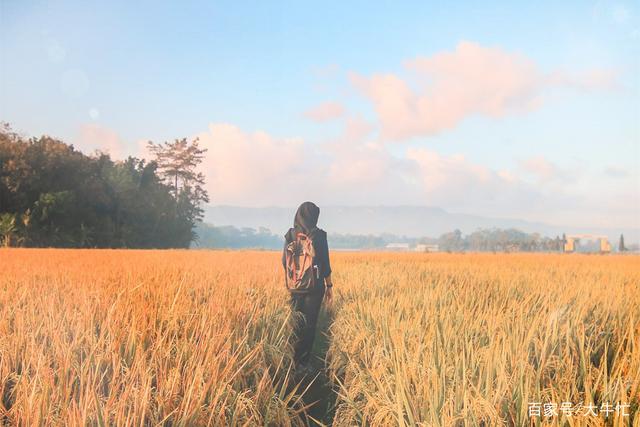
<point>293,207</point>
<point>409,221</point>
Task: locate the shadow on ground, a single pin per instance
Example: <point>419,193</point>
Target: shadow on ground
<point>321,394</point>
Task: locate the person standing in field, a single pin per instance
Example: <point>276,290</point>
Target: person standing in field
<point>307,276</point>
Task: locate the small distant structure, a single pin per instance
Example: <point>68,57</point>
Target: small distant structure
<point>422,247</point>
<point>512,248</point>
<point>397,246</point>
<point>570,242</point>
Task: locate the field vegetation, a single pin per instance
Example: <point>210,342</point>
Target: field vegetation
<point>121,337</point>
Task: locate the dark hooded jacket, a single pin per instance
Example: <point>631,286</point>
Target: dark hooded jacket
<point>306,221</point>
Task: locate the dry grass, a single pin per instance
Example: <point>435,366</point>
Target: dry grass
<point>190,338</point>
<point>141,338</point>
<point>472,339</point>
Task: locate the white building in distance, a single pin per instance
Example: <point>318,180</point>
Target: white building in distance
<point>422,247</point>
<point>397,246</point>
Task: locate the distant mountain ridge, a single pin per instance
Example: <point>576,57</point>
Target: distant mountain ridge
<point>410,221</point>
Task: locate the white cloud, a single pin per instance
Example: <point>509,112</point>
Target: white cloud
<point>592,79</point>
<point>94,137</point>
<point>325,112</point>
<point>258,169</point>
<point>456,183</point>
<point>541,167</point>
<point>448,87</point>
<point>254,168</point>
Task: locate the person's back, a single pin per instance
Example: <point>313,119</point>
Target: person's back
<point>306,293</point>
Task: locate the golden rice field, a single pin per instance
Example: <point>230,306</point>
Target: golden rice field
<point>202,338</point>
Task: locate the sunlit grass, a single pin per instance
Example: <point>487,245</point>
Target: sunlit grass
<point>135,337</point>
<point>202,337</point>
<point>472,339</point>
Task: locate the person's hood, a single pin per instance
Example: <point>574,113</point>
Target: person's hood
<point>306,219</point>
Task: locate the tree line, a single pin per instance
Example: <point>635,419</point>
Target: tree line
<point>509,240</point>
<point>227,236</point>
<point>499,240</point>
<point>53,195</point>
<point>481,240</point>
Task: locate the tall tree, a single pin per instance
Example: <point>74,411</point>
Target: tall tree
<point>621,246</point>
<point>178,163</point>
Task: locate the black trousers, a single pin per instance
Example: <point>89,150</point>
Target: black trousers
<point>307,308</point>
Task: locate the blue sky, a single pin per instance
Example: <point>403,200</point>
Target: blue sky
<point>507,109</point>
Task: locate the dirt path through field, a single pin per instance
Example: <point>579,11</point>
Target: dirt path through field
<point>321,393</point>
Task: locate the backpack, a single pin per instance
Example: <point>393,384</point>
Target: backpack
<point>301,269</point>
